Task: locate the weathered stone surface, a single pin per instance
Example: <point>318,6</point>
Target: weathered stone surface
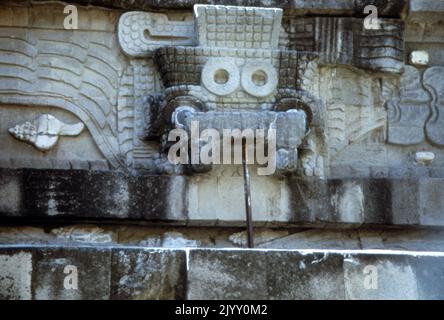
<point>227,275</point>
<point>87,194</point>
<point>45,272</point>
<point>15,275</point>
<point>424,8</point>
<point>91,273</point>
<point>148,29</point>
<point>430,278</point>
<point>379,277</point>
<point>408,115</point>
<point>378,201</point>
<point>52,268</point>
<point>347,202</point>
<point>295,276</point>
<point>148,274</point>
<point>310,274</point>
<point>346,41</point>
<point>433,79</point>
<point>431,202</point>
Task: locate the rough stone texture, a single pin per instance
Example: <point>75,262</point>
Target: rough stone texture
<point>89,194</point>
<point>347,41</point>
<point>430,7</point>
<point>407,239</point>
<point>177,200</point>
<point>356,202</point>
<point>430,278</point>
<point>49,273</point>
<point>295,276</point>
<point>227,275</point>
<point>43,273</point>
<point>15,275</point>
<point>148,274</point>
<point>313,275</point>
<point>396,277</point>
<point>37,272</point>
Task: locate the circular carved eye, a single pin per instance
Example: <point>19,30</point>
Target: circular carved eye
<point>221,76</point>
<point>259,78</point>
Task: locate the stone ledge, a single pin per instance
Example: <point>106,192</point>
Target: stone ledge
<point>391,8</point>
<point>98,195</point>
<point>425,7</point>
<point>41,272</point>
<point>86,194</point>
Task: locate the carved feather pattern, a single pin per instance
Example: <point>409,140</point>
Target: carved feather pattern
<point>72,71</point>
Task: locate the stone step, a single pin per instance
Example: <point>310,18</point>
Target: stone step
<point>123,272</point>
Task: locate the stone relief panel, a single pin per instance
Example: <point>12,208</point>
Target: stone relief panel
<point>124,75</point>
<point>228,80</point>
<point>408,112</point>
<point>434,83</point>
<point>80,72</point>
<point>416,115</point>
<point>343,40</point>
<point>289,53</point>
<point>355,107</point>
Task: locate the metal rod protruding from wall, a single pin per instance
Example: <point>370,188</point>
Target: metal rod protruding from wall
<point>247,193</point>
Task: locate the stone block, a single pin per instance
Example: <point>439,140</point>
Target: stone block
<point>71,273</point>
<point>293,275</point>
<point>227,274</point>
<point>15,274</point>
<point>236,274</point>
<point>379,277</point>
<point>148,274</point>
<point>377,201</point>
<point>404,202</point>
<point>10,194</point>
<point>419,58</point>
<point>309,200</point>
<point>430,276</point>
<point>90,194</point>
<point>431,202</point>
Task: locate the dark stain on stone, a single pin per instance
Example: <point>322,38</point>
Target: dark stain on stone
<point>91,194</point>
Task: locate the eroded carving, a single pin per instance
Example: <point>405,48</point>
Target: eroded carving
<point>434,83</point>
<point>58,69</point>
<point>416,113</point>
<point>408,112</point>
<point>341,40</point>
